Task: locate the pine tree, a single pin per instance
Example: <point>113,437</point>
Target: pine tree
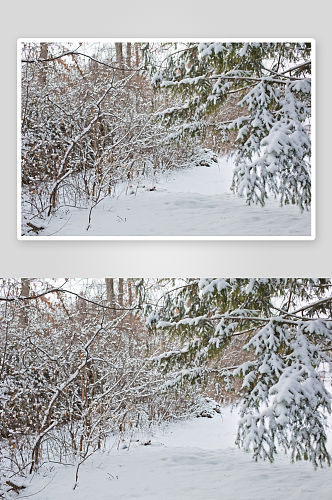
<point>283,400</point>
<point>272,88</point>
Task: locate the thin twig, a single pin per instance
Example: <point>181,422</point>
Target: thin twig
<point>60,227</point>
<point>33,494</point>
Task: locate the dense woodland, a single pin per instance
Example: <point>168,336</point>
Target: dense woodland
<point>96,115</point>
<point>75,367</point>
<point>87,359</point>
<point>88,123</point>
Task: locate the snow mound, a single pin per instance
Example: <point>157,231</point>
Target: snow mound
<point>194,201</point>
<point>194,459</point>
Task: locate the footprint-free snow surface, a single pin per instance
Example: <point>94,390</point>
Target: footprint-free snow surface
<point>193,201</point>
<point>193,460</point>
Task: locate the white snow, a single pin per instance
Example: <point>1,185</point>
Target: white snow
<point>195,460</point>
<point>194,201</point>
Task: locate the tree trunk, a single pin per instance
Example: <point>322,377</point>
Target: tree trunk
<point>137,55</point>
<point>119,59</point>
<point>128,58</point>
<point>25,292</point>
<point>43,55</point>
<point>130,291</point>
<point>130,295</point>
<point>121,292</point>
<point>25,287</point>
<point>110,296</point>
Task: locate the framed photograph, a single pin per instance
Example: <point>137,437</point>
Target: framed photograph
<point>174,139</point>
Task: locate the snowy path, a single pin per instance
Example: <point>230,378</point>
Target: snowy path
<point>195,460</point>
<point>191,202</point>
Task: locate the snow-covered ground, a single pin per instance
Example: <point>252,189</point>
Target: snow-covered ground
<point>194,201</point>
<point>195,460</point>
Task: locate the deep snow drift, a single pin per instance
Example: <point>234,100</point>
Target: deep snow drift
<point>193,460</point>
<point>194,201</point>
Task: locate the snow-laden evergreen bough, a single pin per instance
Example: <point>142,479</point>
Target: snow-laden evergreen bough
<point>285,326</point>
<point>260,90</point>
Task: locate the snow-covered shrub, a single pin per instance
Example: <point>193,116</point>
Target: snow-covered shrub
<point>204,407</point>
<point>85,129</point>
<point>75,368</point>
<point>205,158</point>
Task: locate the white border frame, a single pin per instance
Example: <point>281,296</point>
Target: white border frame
<point>171,238</point>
